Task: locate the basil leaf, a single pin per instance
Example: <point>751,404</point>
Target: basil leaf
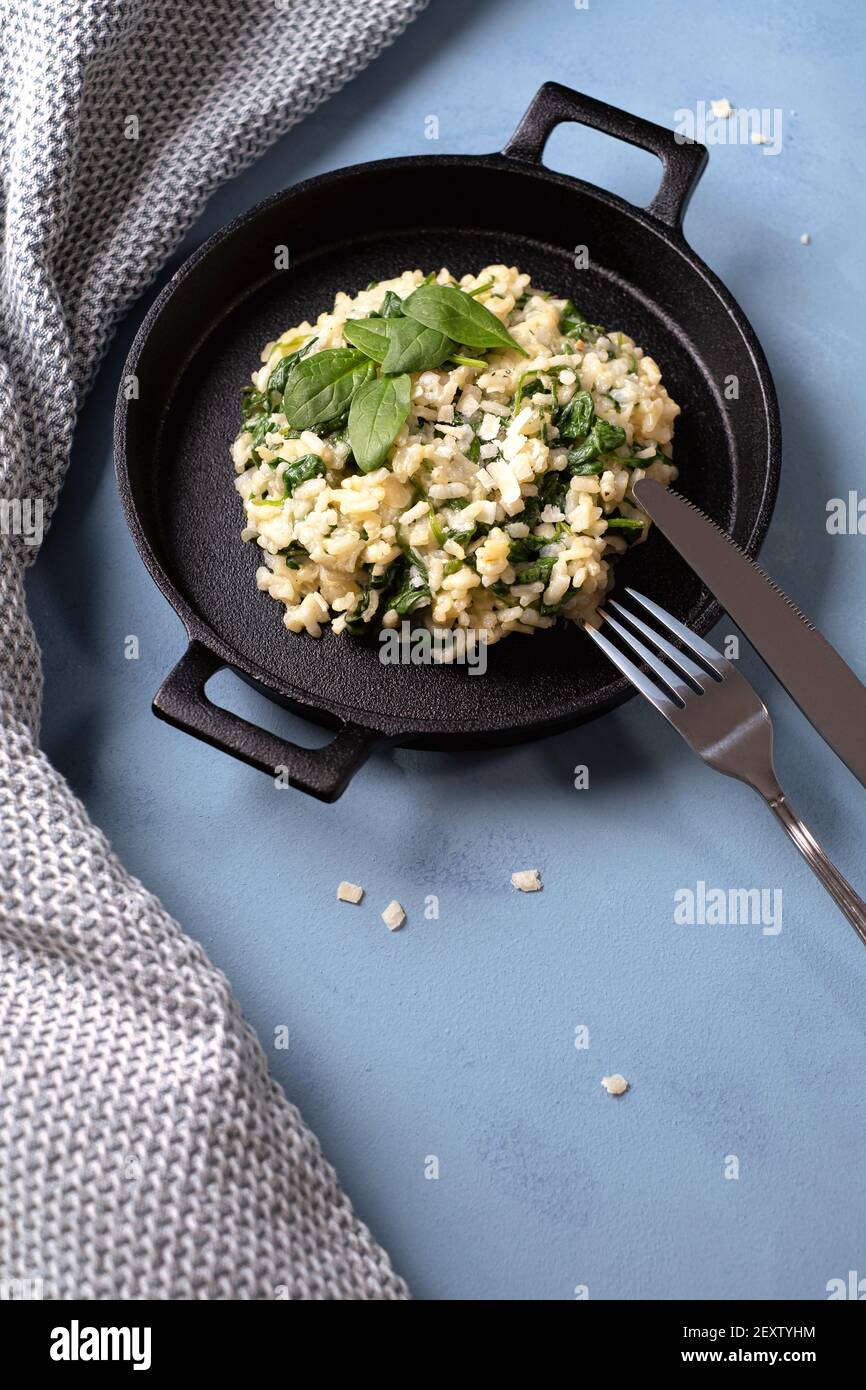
<point>310,466</point>
<point>392,306</point>
<point>575,419</point>
<point>377,414</point>
<point>458,316</point>
<point>414,348</point>
<point>370,335</point>
<point>320,389</point>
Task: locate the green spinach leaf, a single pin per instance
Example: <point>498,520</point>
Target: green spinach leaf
<point>369,335</point>
<point>414,348</point>
<point>320,389</point>
<point>392,306</point>
<point>525,548</point>
<point>409,597</point>
<point>280,375</point>
<point>463,534</point>
<point>573,324</point>
<point>378,411</point>
<point>609,437</point>
<point>537,572</point>
<point>575,419</point>
<point>553,489</point>
<point>459,317</point>
<point>262,427</point>
<point>253,402</point>
<point>531,385</point>
<point>294,555</point>
<point>603,438</point>
<point>310,466</point>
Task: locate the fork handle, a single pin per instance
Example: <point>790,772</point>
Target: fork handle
<point>840,890</point>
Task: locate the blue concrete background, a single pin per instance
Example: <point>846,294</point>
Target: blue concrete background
<point>455,1037</point>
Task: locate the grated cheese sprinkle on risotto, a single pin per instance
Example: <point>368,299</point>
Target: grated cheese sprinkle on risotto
<point>463,452</point>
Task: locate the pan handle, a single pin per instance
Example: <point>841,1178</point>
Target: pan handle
<point>321,772</point>
<point>682,164</point>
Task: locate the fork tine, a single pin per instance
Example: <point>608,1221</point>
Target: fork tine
<point>695,644</point>
<point>676,683</point>
<point>660,698</point>
<point>690,669</point>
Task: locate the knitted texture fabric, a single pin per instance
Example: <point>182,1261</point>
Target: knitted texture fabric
<point>144,1150</point>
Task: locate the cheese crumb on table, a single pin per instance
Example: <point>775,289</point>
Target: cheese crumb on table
<point>615,1085</point>
<point>722,108</point>
<point>759,138</point>
<point>527,880</point>
<point>349,892</point>
<point>806,239</point>
<point>393,916</point>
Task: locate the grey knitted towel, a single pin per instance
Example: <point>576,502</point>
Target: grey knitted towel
<point>144,1150</point>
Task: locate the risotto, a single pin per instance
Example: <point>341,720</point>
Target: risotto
<point>463,452</point>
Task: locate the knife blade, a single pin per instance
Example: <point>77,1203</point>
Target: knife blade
<point>812,672</point>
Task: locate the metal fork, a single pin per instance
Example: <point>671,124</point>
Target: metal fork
<point>719,714</point>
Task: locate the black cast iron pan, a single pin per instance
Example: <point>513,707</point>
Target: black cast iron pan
<point>203,335</point>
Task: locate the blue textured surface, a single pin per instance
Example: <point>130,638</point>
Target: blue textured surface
<point>455,1037</point>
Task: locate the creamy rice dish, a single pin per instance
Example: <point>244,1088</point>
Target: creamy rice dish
<point>459,452</point>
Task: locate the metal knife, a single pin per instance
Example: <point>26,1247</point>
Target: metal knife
<point>812,672</point>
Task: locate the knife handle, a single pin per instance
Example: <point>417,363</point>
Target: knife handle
<point>840,890</point>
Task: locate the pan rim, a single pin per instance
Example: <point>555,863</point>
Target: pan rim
<point>326,712</point>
